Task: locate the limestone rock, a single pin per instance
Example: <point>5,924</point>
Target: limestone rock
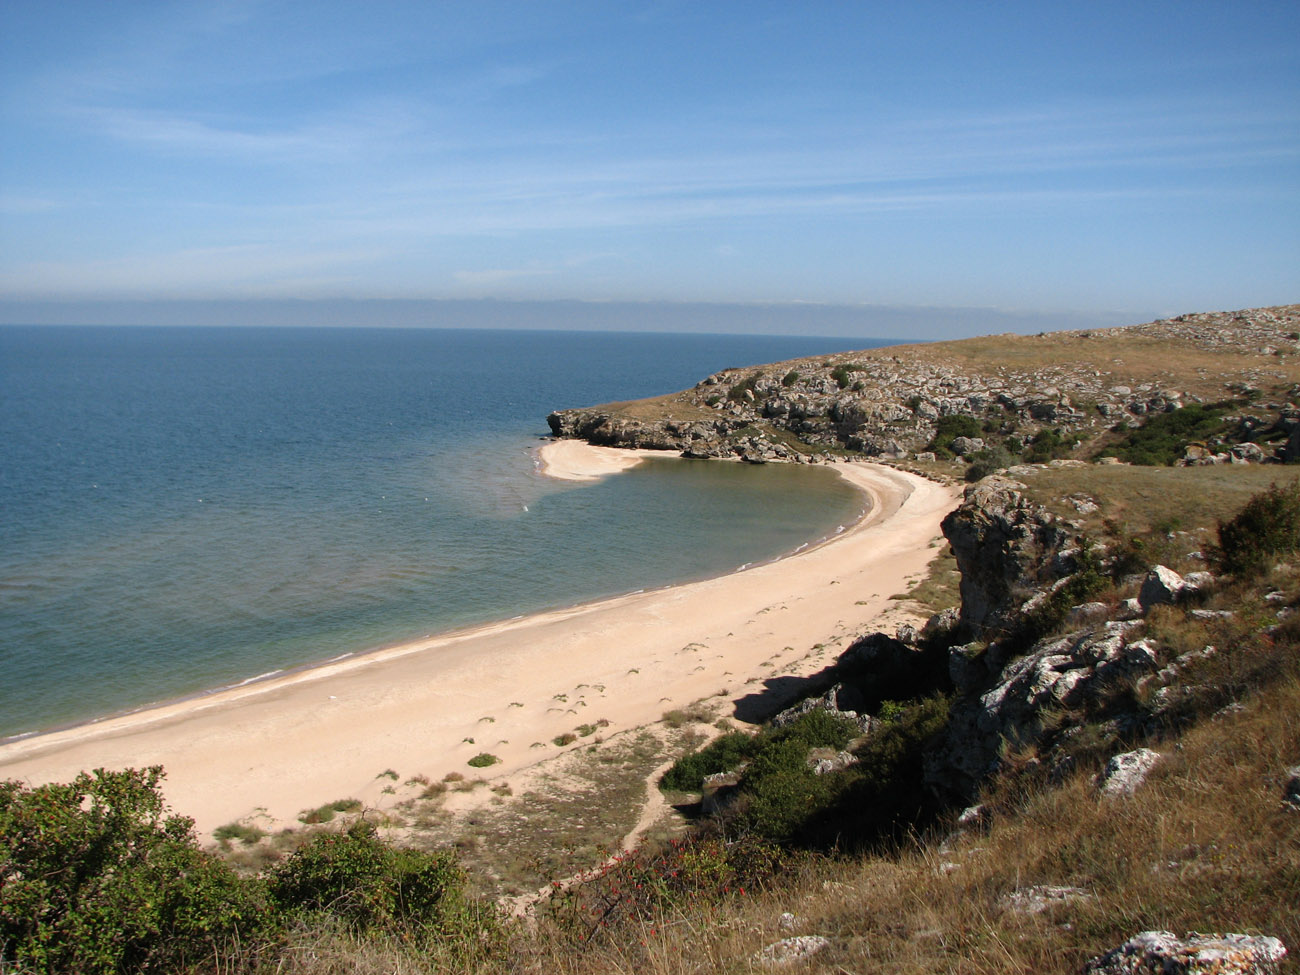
<point>1124,773</point>
<point>1161,953</point>
<point>1061,673</point>
<point>1002,545</point>
<point>841,701</point>
<point>1036,900</point>
<point>787,951</point>
<point>1162,586</point>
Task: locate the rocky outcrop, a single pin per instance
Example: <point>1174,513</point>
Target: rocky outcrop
<point>610,430</point>
<point>1163,953</point>
<point>1008,552</point>
<point>1000,703</point>
<point>887,403</point>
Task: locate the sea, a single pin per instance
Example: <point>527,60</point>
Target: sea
<point>184,509</point>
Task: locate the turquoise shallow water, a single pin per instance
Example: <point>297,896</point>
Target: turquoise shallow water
<point>191,508</point>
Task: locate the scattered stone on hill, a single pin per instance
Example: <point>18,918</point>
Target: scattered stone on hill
<point>1036,900</point>
<point>787,951</point>
<point>1124,773</point>
<point>836,763</point>
<point>1291,791</point>
<point>1162,953</point>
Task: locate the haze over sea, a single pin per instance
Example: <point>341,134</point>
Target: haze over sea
<point>190,508</point>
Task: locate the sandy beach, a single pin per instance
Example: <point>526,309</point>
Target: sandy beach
<point>275,748</point>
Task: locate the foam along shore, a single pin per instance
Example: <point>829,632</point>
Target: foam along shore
<point>274,748</point>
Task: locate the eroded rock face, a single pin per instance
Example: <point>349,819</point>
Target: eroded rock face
<point>1162,953</point>
<point>841,701</point>
<point>1005,548</point>
<point>1009,703</point>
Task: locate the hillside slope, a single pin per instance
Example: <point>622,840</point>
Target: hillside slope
<point>1053,390</point>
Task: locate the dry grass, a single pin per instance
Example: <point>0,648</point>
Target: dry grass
<point>938,589</point>
<point>564,822</point>
<point>1147,498</point>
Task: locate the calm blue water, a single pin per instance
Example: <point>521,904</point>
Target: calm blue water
<point>185,508</point>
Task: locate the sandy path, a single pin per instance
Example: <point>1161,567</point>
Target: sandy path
<point>509,688</point>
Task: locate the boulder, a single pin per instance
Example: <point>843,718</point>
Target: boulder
<point>1162,586</point>
<point>1161,953</point>
<point>1250,452</point>
<point>1124,773</point>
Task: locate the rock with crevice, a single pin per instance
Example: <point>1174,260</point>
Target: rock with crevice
<point>1162,586</point>
<point>1011,704</point>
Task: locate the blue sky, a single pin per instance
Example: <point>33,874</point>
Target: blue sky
<point>1114,161</point>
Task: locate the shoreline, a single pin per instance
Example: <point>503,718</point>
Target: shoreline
<point>562,460</point>
<point>275,746</point>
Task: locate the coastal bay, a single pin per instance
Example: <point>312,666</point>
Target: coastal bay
<point>426,707</point>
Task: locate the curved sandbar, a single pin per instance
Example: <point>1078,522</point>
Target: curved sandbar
<point>576,460</point>
<point>295,742</point>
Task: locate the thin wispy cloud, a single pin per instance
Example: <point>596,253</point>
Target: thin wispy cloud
<point>408,148</point>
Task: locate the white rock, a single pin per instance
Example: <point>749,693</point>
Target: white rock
<point>787,951</point>
<point>1124,773</point>
<point>1161,586</point>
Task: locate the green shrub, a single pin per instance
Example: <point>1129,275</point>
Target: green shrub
<point>325,813</point>
<point>356,877</point>
<point>843,373</point>
<point>817,729</point>
<point>1267,526</point>
<point>1047,444</point>
<point>885,794</point>
<point>568,738</point>
<point>781,791</point>
<point>482,760</point>
<point>96,876</point>
<point>737,392</point>
<point>790,378</point>
<point>1163,439</point>
<point>720,755</point>
<point>949,428</point>
<point>988,461</point>
<point>248,835</point>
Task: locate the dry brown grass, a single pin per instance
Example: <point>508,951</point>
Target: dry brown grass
<point>1144,498</point>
